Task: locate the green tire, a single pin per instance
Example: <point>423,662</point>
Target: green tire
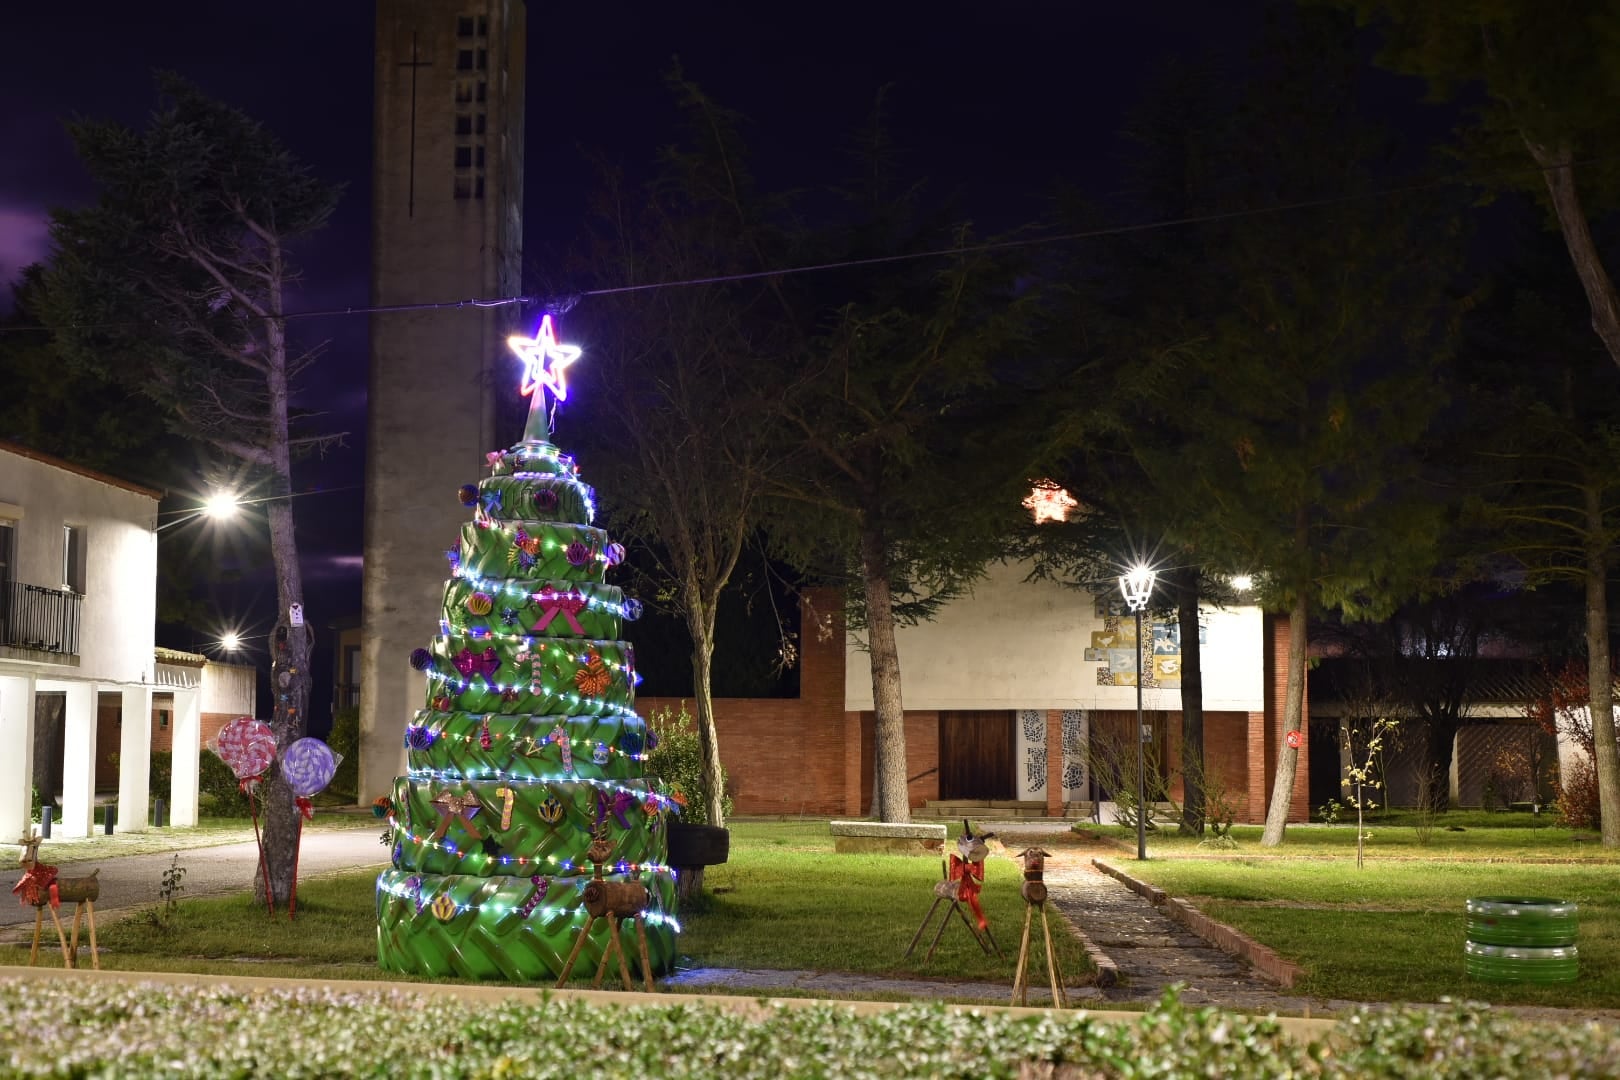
<point>1504,963</point>
<point>1522,922</point>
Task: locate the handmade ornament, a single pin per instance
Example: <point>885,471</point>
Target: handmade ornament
<point>1034,893</point>
<point>560,737</point>
<point>453,556</point>
<point>421,659</point>
<point>247,746</point>
<point>594,678</point>
<point>486,663</point>
<point>545,499</point>
<point>480,603</point>
<point>612,901</point>
<point>41,887</point>
<point>418,736</point>
<point>509,616</point>
<point>444,703</point>
<point>382,806</point>
<point>614,554</point>
<point>631,610</point>
<point>444,908</point>
<point>506,795</point>
<point>618,804</point>
<point>963,880</point>
<point>550,811</point>
<point>484,740</point>
<point>600,753</point>
<point>553,603</point>
<point>467,494</point>
<point>451,808</point>
<point>492,501</point>
<point>541,887</point>
<point>577,553</point>
<point>630,742</point>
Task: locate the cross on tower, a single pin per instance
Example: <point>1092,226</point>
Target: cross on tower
<point>413,64</point>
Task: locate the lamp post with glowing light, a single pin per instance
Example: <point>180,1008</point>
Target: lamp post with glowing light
<point>1137,587</point>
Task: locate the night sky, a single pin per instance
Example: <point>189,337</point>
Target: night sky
<point>996,106</point>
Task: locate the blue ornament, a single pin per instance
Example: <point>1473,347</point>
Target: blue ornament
<point>632,610</point>
<point>601,753</point>
<point>492,500</point>
<point>454,555</point>
<point>631,742</point>
<point>421,659</point>
<point>418,738</point>
<point>509,616</point>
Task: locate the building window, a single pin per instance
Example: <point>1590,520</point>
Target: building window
<point>478,188</point>
<point>478,156</point>
<point>478,123</point>
<point>163,719</point>
<point>463,187</point>
<point>73,558</point>
<point>8,550</point>
<point>464,92</point>
<point>483,26</point>
<point>464,59</point>
<point>464,125</point>
<point>482,91</point>
<point>483,59</point>
<point>464,26</point>
<point>463,157</point>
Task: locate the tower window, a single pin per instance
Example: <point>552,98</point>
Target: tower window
<point>464,125</point>
<point>464,59</point>
<point>464,26</point>
<point>478,123</point>
<point>463,157</point>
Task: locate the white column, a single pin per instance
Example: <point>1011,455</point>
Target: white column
<point>79,759</point>
<point>135,759</point>
<point>187,730</point>
<point>16,756</point>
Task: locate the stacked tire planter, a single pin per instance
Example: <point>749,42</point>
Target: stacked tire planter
<point>1521,939</point>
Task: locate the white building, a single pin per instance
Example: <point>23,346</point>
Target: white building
<point>78,596</point>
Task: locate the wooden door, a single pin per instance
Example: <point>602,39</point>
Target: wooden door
<point>976,755</point>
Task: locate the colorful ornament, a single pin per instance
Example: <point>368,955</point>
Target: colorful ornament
<point>600,753</point>
<point>545,500</point>
<point>454,557</point>
<point>567,604</point>
<point>487,664</point>
<point>632,610</point>
<point>480,603</point>
<point>630,742</point>
<point>541,885</point>
<point>382,806</point>
<point>309,766</point>
<point>550,811</point>
<point>492,501</point>
<point>509,616</point>
<point>247,746</point>
<point>444,703</point>
<point>560,737</point>
<point>614,554</point>
<point>444,908</point>
<point>594,678</point>
<point>618,804</point>
<point>505,794</point>
<point>468,494</point>
<point>421,659</point>
<point>578,554</point>
<point>484,741</point>
<point>418,737</point>
<point>452,807</point>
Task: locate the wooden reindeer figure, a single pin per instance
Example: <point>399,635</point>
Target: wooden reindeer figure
<point>964,878</point>
<point>1034,893</point>
<point>41,887</point>
<point>611,900</point>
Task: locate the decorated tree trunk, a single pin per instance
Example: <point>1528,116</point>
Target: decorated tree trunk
<point>529,747</point>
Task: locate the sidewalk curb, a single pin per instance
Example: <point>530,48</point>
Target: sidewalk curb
<point>1262,958</point>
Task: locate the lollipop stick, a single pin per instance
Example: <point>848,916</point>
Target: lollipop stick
<point>264,867</point>
<point>298,846</point>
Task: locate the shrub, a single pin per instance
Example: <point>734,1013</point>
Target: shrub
<point>215,779</point>
<point>677,760</point>
<point>160,773</point>
<point>344,739</point>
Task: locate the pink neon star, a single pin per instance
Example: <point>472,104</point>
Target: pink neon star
<point>535,352</point>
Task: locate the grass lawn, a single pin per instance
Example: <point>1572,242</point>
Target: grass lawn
<point>209,832</point>
<point>784,901</point>
<point>1394,930</point>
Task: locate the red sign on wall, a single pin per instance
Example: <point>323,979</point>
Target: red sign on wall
<point>1296,739</point>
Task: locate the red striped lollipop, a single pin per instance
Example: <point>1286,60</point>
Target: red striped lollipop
<point>247,746</point>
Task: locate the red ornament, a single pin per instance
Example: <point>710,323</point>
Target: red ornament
<point>1296,739</point>
<point>483,734</point>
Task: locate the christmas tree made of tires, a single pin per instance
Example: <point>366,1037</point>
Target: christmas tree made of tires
<point>529,747</point>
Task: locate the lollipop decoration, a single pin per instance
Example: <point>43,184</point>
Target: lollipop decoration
<point>247,747</point>
<point>309,766</point>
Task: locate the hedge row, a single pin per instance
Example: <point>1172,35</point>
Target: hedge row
<point>62,1028</point>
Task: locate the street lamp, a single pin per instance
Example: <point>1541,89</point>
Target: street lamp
<point>1137,586</point>
<point>221,505</point>
<point>1242,582</point>
<point>230,641</point>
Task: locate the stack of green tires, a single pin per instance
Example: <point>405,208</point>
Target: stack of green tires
<point>1521,939</point>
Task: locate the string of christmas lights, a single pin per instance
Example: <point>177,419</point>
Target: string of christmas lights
<point>498,908</point>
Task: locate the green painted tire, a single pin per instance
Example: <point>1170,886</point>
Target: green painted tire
<point>1504,963</point>
<point>1526,922</point>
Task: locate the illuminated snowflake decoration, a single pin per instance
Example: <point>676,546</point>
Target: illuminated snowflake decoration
<point>1048,502</point>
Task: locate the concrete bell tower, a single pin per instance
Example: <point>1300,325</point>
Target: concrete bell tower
<point>446,224</point>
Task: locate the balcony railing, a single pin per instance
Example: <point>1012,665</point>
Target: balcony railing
<point>41,619</point>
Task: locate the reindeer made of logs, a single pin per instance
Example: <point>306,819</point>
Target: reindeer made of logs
<point>964,878</point>
<point>1034,894</point>
<point>41,887</point>
<point>612,901</point>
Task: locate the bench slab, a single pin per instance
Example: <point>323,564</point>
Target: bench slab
<point>868,837</point>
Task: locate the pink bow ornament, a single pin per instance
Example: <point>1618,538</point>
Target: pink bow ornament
<point>568,604</point>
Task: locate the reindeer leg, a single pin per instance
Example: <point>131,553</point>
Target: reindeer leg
<point>607,953</point>
<point>78,918</point>
<point>61,937</point>
<point>624,965</point>
<point>978,939</point>
<point>918,935</point>
<point>1051,962</point>
<point>95,956</point>
<point>1021,980</point>
<point>579,943</point>
<point>646,964</point>
<point>944,921</point>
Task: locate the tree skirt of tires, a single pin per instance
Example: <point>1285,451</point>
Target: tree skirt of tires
<point>1521,939</point>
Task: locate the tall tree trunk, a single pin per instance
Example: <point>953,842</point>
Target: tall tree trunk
<point>289,639</point>
<point>890,792</point>
<point>1193,760</point>
<point>1439,744</point>
<point>1282,791</point>
<point>1599,677</point>
<point>700,623</point>
<point>1558,163</point>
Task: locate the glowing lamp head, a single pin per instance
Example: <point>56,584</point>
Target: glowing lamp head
<point>221,505</point>
<point>230,641</point>
<point>1242,582</point>
<point>1137,586</point>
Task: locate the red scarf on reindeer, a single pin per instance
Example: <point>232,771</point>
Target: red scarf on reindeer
<point>38,884</point>
<point>971,876</point>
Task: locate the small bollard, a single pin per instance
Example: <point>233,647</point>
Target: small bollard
<point>157,812</point>
<point>46,813</point>
<point>108,811</point>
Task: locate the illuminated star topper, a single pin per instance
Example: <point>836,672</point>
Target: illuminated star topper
<point>535,352</point>
<point>1048,502</point>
